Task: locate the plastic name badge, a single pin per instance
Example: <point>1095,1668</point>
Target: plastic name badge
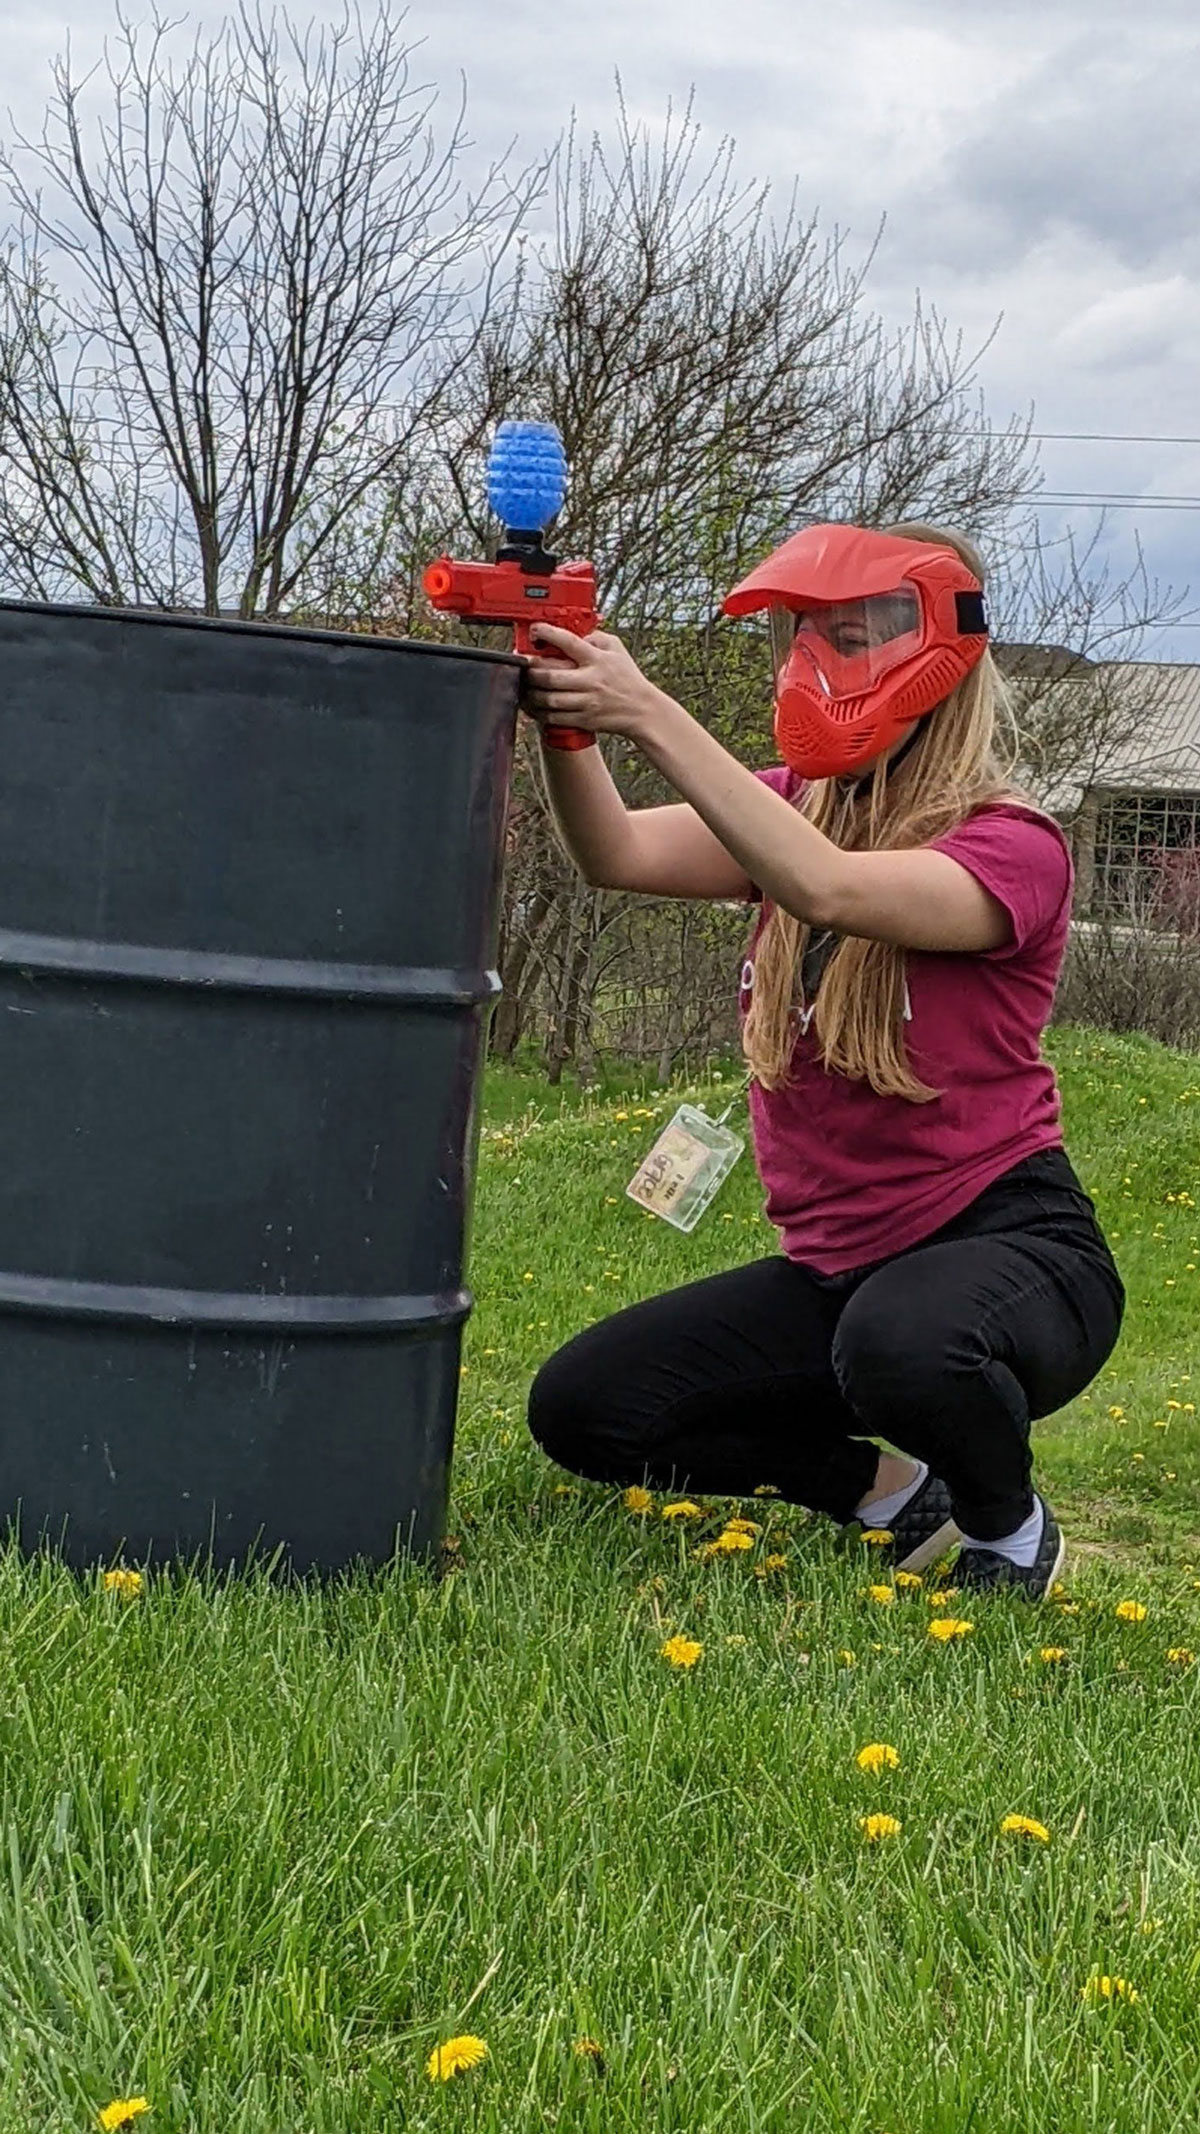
<point>686,1167</point>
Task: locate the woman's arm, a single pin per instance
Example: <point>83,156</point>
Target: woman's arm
<point>919,900</point>
<point>664,852</point>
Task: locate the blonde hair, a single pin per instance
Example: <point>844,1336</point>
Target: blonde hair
<point>961,760</point>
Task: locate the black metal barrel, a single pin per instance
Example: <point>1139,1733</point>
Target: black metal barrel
<point>248,902</point>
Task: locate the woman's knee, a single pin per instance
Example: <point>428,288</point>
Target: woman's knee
<point>568,1414</point>
<point>893,1366</point>
<point>551,1401</point>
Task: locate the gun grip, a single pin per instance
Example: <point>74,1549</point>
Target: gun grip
<point>567,737</point>
<point>560,737</point>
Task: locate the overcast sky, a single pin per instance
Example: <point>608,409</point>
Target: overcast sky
<point>1039,163</point>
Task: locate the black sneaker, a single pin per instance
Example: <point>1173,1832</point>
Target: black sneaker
<point>981,1570</point>
<point>921,1532</point>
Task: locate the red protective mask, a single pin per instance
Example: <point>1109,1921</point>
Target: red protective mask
<point>870,631</point>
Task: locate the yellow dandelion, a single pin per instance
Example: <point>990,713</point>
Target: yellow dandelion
<point>1117,1414</point>
<point>588,2049</point>
<point>909,1581</point>
<point>1180,1655</point>
<point>846,1658</point>
<point>877,1537</point>
<point>742,1526</point>
<point>684,1509</point>
<point>681,1651</point>
<point>736,1639</point>
<point>637,1499</point>
<point>878,1756</point>
<point>1052,1654</point>
<point>122,2112</point>
<point>875,1827</point>
<point>1100,1987</point>
<point>128,1584</point>
<point>943,1597</point>
<point>1024,1826</point>
<point>454,2057</point>
<point>775,1563</point>
<point>766,1489</point>
<point>1129,1611</point>
<point>725,1544</point>
<point>883,1596</point>
<point>946,1627</point>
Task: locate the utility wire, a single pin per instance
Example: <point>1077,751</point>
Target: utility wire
<point>1095,437</point>
<point>1085,498</point>
<point>1095,499</point>
<point>1125,496</point>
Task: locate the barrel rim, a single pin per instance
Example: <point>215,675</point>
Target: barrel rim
<point>238,626</point>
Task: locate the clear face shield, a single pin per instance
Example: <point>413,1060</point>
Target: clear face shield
<point>849,646</point>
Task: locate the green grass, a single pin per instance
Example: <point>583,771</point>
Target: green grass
<point>263,1847</point>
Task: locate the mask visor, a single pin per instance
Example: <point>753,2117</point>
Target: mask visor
<point>849,646</point>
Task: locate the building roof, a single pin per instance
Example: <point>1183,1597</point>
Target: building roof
<point>1164,754</point>
<point>1041,662</point>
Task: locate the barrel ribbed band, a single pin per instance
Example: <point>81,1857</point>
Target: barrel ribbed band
<point>240,1311</point>
<point>206,970</point>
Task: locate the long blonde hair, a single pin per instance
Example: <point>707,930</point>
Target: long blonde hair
<point>962,759</point>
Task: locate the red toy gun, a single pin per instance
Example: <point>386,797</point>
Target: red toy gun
<point>525,585</point>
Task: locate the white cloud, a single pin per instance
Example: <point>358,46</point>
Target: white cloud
<point>1153,322</point>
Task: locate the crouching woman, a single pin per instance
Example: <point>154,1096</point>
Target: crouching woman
<point>943,1281</point>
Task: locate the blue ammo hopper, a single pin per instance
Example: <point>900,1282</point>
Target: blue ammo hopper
<point>249,886</point>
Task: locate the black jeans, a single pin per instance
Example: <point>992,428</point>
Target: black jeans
<point>775,1374</point>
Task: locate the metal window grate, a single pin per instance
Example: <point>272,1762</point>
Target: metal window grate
<point>1133,830</point>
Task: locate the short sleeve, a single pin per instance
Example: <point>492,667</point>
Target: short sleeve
<point>781,780</point>
<point>789,786</point>
<point>1022,859</point>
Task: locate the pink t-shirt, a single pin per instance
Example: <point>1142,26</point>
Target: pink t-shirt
<point>853,1177</point>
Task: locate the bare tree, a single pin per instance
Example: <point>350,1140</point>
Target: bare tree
<point>718,380</point>
<point>230,310</point>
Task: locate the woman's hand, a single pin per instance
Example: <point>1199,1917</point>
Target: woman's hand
<point>597,686</point>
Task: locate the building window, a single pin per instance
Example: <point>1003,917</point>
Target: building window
<point>1132,873</point>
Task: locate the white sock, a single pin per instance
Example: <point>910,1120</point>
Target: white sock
<point>1022,1545</point>
<point>884,1509</point>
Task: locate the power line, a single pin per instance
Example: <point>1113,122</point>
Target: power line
<point>1095,500</point>
<point>1124,496</point>
<point>1095,437</point>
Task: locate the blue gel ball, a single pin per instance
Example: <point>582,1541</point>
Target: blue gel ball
<point>527,475</point>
